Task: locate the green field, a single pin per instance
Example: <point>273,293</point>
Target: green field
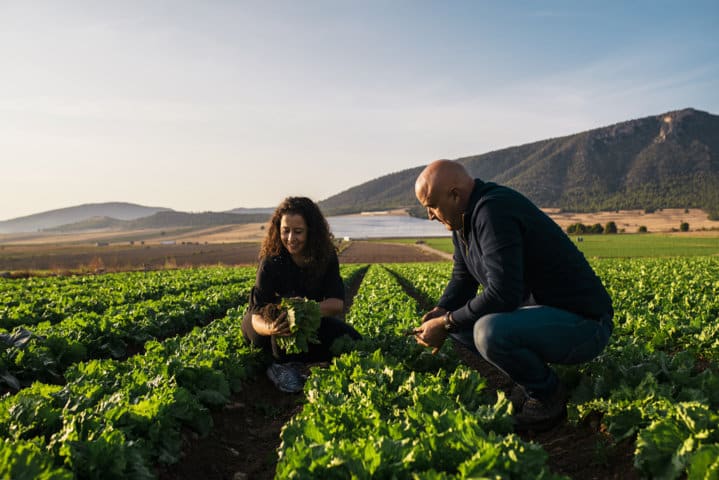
<point>628,245</point>
<point>102,376</point>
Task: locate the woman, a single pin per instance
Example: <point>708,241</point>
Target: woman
<point>297,259</point>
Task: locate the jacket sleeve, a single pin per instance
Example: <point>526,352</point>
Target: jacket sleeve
<point>500,240</point>
<point>462,285</point>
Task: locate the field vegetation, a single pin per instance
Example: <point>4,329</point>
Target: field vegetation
<point>619,246</point>
<point>108,376</point>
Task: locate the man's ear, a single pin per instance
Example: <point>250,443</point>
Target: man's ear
<point>454,194</point>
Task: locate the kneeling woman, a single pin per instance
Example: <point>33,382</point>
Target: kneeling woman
<point>297,259</point>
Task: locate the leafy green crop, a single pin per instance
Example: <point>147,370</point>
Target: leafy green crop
<point>387,409</point>
<point>304,318</point>
<point>28,461</point>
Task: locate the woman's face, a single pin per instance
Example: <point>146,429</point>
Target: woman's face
<point>293,233</point>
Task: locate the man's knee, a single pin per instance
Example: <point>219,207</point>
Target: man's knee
<point>489,333</point>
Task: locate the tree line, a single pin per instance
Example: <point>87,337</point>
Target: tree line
<point>610,228</point>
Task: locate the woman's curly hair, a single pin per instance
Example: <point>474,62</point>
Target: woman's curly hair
<point>319,246</point>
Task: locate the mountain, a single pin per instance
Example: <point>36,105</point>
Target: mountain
<point>205,219</point>
<point>80,213</point>
<point>127,216</point>
<point>251,211</point>
<point>663,161</point>
<point>165,219</point>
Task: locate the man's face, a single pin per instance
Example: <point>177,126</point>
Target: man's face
<point>442,206</point>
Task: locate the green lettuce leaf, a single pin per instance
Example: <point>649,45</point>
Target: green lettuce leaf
<point>304,318</point>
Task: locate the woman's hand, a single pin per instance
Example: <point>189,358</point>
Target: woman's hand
<point>279,326</point>
<point>268,326</point>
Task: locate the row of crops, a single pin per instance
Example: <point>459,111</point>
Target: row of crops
<point>80,404</point>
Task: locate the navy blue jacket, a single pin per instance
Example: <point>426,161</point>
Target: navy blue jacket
<point>514,250</point>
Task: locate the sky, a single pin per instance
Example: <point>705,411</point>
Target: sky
<point>215,105</point>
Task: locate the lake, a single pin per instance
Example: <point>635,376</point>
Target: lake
<point>384,226</point>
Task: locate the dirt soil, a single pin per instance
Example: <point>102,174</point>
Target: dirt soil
<point>90,258</point>
<point>243,442</point>
<point>375,252</point>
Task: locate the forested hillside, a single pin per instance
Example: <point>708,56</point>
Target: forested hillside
<point>663,161</point>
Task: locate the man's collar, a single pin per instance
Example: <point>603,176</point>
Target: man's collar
<point>473,199</point>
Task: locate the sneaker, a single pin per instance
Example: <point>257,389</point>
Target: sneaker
<point>539,416</point>
<point>301,368</point>
<point>286,378</point>
<point>517,397</point>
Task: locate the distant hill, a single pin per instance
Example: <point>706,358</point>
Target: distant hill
<point>80,213</point>
<point>92,223</point>
<point>167,219</point>
<point>395,190</point>
<point>664,161</point>
<point>205,219</point>
<point>127,216</point>
<point>251,211</point>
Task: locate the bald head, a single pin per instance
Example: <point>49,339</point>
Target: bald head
<point>440,175</point>
<point>444,188</point>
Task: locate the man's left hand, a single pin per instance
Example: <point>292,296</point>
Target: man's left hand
<point>431,334</point>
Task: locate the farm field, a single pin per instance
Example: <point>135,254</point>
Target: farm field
<point>146,375</point>
<point>621,245</point>
<point>18,260</point>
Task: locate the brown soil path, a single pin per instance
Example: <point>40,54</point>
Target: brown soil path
<point>376,252</point>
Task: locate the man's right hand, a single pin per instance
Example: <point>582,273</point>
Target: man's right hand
<point>434,313</point>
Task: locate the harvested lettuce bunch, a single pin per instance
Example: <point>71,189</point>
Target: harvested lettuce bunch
<point>304,318</point>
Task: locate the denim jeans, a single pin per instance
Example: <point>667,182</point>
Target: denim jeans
<point>521,343</point>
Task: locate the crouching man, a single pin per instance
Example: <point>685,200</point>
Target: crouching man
<point>541,301</point>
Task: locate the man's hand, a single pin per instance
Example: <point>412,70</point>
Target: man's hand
<point>434,313</point>
<point>431,333</point>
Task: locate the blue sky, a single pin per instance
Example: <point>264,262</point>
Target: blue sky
<point>220,104</point>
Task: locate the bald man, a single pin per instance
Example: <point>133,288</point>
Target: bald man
<point>541,302</point>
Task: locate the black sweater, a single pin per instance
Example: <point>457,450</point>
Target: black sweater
<point>515,250</point>
<point>279,277</point>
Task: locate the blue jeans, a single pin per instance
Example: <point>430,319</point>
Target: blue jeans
<point>521,343</point>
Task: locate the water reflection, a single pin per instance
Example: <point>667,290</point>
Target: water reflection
<point>366,226</point>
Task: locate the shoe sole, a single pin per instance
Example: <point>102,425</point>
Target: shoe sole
<point>276,382</point>
<point>542,425</point>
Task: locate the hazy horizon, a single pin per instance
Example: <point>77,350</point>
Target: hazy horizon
<point>220,105</point>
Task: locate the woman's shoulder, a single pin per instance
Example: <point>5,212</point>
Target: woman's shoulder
<point>273,261</point>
